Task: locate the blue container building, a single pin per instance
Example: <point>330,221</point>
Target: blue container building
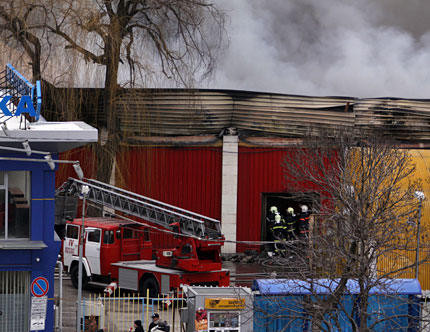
<point>279,305</point>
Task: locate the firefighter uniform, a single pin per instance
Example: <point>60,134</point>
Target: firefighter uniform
<point>270,221</point>
<point>290,221</point>
<point>303,222</point>
<point>278,231</point>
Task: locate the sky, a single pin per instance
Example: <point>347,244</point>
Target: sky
<point>360,48</point>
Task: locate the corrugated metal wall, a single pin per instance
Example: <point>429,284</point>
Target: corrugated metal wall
<point>259,172</point>
<point>182,112</point>
<point>190,177</point>
<point>187,177</point>
<point>85,155</point>
<point>421,159</point>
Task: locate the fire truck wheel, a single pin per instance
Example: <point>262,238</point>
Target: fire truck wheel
<point>151,284</point>
<point>74,274</point>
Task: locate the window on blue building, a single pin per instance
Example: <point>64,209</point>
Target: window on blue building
<point>15,198</point>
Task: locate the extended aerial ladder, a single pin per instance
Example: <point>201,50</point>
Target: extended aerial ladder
<point>198,238</point>
<point>192,257</point>
<point>132,204</point>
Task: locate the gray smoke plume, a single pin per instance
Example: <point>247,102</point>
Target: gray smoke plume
<point>363,48</point>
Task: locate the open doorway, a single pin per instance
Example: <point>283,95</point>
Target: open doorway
<point>282,201</point>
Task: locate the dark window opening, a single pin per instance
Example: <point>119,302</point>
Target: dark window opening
<point>282,201</point>
<point>94,236</point>
<point>72,232</point>
<point>108,237</point>
<point>146,235</point>
<point>129,232</point>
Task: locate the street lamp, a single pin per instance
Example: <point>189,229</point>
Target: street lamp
<point>78,170</point>
<point>84,192</point>
<point>419,195</point>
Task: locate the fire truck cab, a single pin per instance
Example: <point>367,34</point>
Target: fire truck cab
<point>106,241</point>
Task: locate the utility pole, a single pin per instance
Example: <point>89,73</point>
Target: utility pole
<point>84,193</point>
<point>420,195</point>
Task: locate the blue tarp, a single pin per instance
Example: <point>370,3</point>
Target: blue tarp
<point>327,286</point>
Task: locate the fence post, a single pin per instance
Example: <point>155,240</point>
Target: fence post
<point>118,304</point>
<point>147,305</point>
<point>113,311</point>
<point>173,314</point>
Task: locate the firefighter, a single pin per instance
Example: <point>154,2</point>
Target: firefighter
<point>270,221</point>
<point>303,224</point>
<point>290,221</point>
<point>278,231</point>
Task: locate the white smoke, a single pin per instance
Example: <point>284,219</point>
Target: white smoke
<point>362,48</point>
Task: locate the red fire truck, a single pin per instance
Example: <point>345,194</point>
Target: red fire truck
<point>120,250</point>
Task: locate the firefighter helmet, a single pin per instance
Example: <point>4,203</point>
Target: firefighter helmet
<point>304,208</point>
<point>273,209</point>
<point>290,210</point>
<point>277,218</point>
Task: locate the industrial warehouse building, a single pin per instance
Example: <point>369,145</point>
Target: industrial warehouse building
<point>219,153</point>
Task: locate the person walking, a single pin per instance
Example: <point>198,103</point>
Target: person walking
<point>156,325</point>
<point>138,326</point>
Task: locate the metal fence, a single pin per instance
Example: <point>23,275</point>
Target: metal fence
<point>14,300</point>
<point>118,312</point>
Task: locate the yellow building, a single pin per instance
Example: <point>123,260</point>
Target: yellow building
<point>421,159</point>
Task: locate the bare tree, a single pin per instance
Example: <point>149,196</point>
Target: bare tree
<point>20,28</point>
<point>362,198</point>
<point>179,38</point>
<point>130,40</point>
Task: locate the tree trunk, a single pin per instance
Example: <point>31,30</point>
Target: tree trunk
<point>363,314</point>
<point>107,147</point>
<point>35,62</point>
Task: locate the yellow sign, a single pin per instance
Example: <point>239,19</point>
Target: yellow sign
<point>224,304</point>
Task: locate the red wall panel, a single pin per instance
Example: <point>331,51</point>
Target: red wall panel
<point>187,177</point>
<point>190,178</point>
<point>259,172</point>
<point>85,155</point>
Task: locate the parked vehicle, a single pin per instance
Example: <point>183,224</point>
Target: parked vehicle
<point>121,251</point>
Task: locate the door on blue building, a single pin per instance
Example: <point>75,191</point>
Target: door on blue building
<point>92,249</point>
